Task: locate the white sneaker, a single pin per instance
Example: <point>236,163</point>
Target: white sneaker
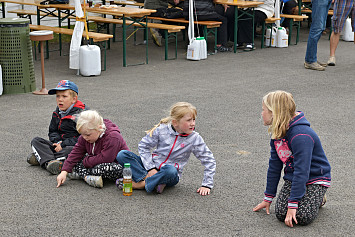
<point>331,61</point>
<point>94,181</point>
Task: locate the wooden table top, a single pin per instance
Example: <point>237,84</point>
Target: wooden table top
<point>239,3</point>
<point>129,11</point>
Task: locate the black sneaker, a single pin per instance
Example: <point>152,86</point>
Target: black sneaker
<point>54,166</point>
<point>223,49</point>
<point>32,160</point>
<point>249,47</point>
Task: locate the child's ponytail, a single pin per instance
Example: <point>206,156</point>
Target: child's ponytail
<point>177,112</point>
<point>164,120</point>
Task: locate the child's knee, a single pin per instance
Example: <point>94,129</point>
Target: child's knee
<point>121,156</point>
<point>170,170</point>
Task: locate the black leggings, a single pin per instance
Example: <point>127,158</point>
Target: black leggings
<point>111,171</point>
<point>245,26</point>
<point>308,207</point>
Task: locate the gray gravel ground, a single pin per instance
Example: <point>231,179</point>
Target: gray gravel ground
<point>227,89</point>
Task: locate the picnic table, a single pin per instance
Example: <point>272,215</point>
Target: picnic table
<point>246,8</point>
<point>133,15</point>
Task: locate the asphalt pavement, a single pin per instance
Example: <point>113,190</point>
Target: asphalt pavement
<point>227,89</point>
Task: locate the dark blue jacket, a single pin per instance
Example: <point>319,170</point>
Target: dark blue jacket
<point>305,161</point>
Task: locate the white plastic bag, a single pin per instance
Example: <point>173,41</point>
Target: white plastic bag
<point>281,38</point>
<point>90,60</point>
<point>347,33</point>
<point>273,30</point>
<point>197,48</point>
<point>1,88</point>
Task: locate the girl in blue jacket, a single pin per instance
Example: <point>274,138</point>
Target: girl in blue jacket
<point>307,170</point>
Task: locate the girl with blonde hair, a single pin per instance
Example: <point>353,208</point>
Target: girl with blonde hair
<point>307,170</point>
<point>94,156</point>
<point>173,140</point>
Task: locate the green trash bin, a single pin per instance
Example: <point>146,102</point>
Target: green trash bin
<point>16,56</point>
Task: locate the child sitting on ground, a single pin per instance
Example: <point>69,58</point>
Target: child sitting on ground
<point>174,139</point>
<point>307,170</point>
<point>94,155</point>
<point>50,154</point>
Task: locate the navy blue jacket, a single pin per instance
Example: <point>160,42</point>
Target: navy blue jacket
<point>305,161</point>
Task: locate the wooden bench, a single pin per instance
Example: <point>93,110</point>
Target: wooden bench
<point>294,19</point>
<point>209,27</point>
<point>22,13</point>
<point>268,22</point>
<point>169,30</point>
<point>95,37</point>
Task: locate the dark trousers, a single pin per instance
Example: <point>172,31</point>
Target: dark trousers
<point>44,151</point>
<point>229,14</point>
<point>288,9</point>
<point>245,26</point>
<point>308,207</point>
<point>222,32</point>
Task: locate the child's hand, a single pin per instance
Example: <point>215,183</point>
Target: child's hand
<point>204,191</point>
<point>262,205</point>
<point>291,215</point>
<point>152,172</point>
<point>61,178</point>
<point>57,146</point>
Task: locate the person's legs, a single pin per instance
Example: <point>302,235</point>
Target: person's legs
<point>308,207</point>
<point>63,154</point>
<point>137,167</point>
<point>167,175</point>
<point>341,11</point>
<point>319,15</point>
<point>43,150</point>
<point>281,205</point>
<point>110,171</point>
<point>221,31</point>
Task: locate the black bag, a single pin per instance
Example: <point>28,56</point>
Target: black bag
<point>47,2</point>
<point>169,13</point>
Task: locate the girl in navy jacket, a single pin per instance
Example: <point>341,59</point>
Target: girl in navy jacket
<point>307,170</point>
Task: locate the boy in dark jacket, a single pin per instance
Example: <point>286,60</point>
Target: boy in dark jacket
<point>50,154</point>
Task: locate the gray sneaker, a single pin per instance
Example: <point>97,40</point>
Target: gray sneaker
<point>73,175</point>
<point>331,61</point>
<point>156,37</point>
<point>323,64</point>
<point>32,160</point>
<point>314,66</point>
<point>54,166</point>
<point>94,181</point>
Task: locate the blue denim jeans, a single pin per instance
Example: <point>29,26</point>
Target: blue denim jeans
<point>166,175</point>
<point>320,10</point>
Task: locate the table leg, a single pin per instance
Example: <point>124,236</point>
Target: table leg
<point>124,41</point>
<point>3,9</point>
<point>146,39</point>
<point>38,16</point>
<point>43,90</point>
<point>60,35</point>
<point>235,28</point>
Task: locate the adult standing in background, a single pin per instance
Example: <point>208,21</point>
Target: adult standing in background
<point>342,9</point>
<point>320,10</point>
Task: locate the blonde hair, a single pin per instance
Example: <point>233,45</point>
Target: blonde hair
<point>90,120</point>
<point>283,108</point>
<point>72,93</point>
<point>177,112</point>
